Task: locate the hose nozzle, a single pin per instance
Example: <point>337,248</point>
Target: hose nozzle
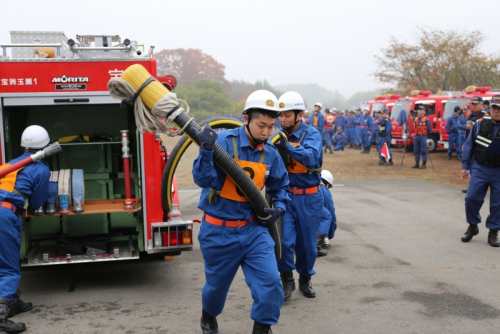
<point>52,149</point>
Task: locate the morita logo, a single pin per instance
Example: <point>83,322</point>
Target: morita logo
<point>65,79</point>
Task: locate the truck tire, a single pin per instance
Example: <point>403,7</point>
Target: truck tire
<point>432,143</point>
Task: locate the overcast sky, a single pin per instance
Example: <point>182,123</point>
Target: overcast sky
<point>331,43</point>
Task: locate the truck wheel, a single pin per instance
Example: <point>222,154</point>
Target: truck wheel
<point>431,144</point>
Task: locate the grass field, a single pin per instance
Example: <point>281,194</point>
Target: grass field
<point>351,165</point>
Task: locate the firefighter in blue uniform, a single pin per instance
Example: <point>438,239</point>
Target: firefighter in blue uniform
<point>423,127</point>
<point>484,168</point>
<point>301,221</point>
<point>318,119</point>
<point>231,235</point>
<point>339,140</point>
<point>384,128</point>
<point>366,123</point>
<point>350,129</point>
<point>357,129</point>
<point>374,129</point>
<point>453,125</point>
<point>328,224</point>
<point>29,185</point>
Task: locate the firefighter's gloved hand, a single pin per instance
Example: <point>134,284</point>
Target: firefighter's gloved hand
<point>274,214</point>
<point>207,138</point>
<point>282,144</point>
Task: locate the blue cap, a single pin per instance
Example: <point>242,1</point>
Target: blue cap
<point>495,100</point>
<point>476,100</point>
<point>457,108</point>
<point>422,108</point>
<point>386,111</point>
<point>327,109</point>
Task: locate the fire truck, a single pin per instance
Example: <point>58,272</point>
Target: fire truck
<point>49,80</point>
<point>434,105</point>
<point>386,101</point>
<point>461,100</point>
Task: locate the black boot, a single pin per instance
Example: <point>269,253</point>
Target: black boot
<point>306,287</point>
<point>472,230</point>
<point>259,328</point>
<point>382,161</point>
<point>351,146</point>
<point>288,284</point>
<point>390,163</point>
<point>319,245</point>
<point>423,165</point>
<point>493,238</point>
<point>459,157</point>
<point>368,149</point>
<point>18,306</point>
<point>208,323</point>
<point>7,325</point>
<point>416,165</point>
<point>448,157</point>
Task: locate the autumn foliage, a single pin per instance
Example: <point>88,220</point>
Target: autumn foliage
<point>439,60</point>
<point>189,66</point>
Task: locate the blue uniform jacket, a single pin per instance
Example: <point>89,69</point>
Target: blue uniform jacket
<point>340,139</point>
<point>366,121</point>
<point>32,181</point>
<point>357,120</point>
<point>462,126</point>
<point>468,151</point>
<point>340,122</point>
<point>350,122</point>
<point>207,174</point>
<point>452,124</point>
<point>309,154</point>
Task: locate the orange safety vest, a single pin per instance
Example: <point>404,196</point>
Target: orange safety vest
<point>292,166</point>
<point>256,171</point>
<point>421,126</point>
<point>315,121</point>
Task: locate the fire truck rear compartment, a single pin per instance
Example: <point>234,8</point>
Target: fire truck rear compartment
<point>104,223</point>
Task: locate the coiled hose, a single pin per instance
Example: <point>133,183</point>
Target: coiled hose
<point>159,101</point>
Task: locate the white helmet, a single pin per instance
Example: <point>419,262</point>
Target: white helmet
<point>262,99</point>
<point>306,111</point>
<point>319,105</point>
<point>334,109</point>
<point>327,176</point>
<point>35,137</point>
<point>291,101</point>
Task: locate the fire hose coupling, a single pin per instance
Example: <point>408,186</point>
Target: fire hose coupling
<point>125,142</point>
<point>52,149</point>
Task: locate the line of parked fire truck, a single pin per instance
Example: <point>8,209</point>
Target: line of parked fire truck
<point>438,109</point>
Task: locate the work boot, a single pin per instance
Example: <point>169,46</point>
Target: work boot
<point>351,146</point>
<point>288,284</point>
<point>390,163</point>
<point>493,238</point>
<point>416,165</point>
<point>382,161</point>
<point>459,157</point>
<point>208,323</point>
<point>259,328</point>
<point>324,150</point>
<point>448,157</point>
<point>7,325</point>
<point>306,287</point>
<point>472,230</point>
<point>319,245</point>
<point>368,148</point>
<point>18,306</point>
<point>423,165</point>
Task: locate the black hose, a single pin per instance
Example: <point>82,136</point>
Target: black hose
<point>235,173</point>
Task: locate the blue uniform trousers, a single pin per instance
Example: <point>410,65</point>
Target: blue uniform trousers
<point>350,136</point>
<point>10,248</point>
<point>482,177</point>
<point>454,139</point>
<point>420,148</point>
<point>328,135</point>
<point>357,136</point>
<point>224,250</point>
<point>338,147</point>
<point>300,228</point>
<point>326,221</point>
<point>374,136</point>
<point>381,141</point>
<point>365,137</point>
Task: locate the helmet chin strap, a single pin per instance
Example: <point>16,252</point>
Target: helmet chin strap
<point>289,128</point>
<point>257,141</point>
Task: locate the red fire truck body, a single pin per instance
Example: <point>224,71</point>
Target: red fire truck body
<point>434,105</point>
<point>382,102</point>
<point>461,100</point>
<point>67,94</point>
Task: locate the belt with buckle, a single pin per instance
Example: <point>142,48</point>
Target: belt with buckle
<point>305,191</point>
<point>227,223</point>
<point>9,206</point>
